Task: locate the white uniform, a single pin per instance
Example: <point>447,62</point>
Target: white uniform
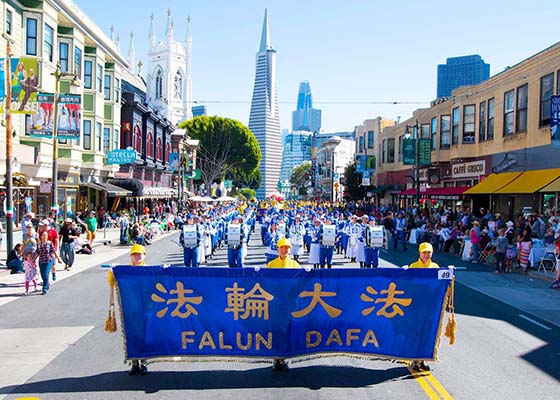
<point>354,232</point>
<point>297,232</point>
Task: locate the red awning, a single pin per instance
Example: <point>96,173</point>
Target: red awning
<point>438,191</point>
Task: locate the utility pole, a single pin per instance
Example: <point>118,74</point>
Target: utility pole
<point>9,157</point>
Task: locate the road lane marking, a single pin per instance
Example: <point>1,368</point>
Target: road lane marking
<point>428,382</point>
<point>535,322</point>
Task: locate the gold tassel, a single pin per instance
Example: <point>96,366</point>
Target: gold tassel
<point>111,322</point>
<point>451,326</point>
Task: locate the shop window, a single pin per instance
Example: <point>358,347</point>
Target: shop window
<point>482,122</point>
<point>547,89</point>
<point>521,112</point>
<point>509,109</point>
<point>469,123</point>
<point>455,131</point>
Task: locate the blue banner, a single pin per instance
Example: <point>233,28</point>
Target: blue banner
<point>555,117</point>
<point>245,313</point>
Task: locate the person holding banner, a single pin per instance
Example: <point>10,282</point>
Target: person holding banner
<point>373,240</point>
<point>282,261</point>
<point>297,232</point>
<point>424,261</point>
<point>328,240</point>
<point>235,238</point>
<point>189,239</point>
<point>138,259</point>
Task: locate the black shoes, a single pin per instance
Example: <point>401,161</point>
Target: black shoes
<point>420,366</point>
<point>138,368</point>
<point>280,365</point>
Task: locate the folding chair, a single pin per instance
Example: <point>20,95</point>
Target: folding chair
<point>549,257</point>
<point>484,253</point>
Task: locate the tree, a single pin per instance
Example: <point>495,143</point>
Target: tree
<point>226,146</point>
<point>301,174</point>
<point>353,183</point>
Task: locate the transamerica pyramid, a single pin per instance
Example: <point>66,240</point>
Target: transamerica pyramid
<point>264,120</point>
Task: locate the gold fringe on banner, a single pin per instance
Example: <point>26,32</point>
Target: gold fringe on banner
<point>451,326</point>
<point>111,322</point>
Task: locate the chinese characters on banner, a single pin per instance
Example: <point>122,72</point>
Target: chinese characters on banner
<point>241,313</point>
<point>69,116</point>
<point>23,84</point>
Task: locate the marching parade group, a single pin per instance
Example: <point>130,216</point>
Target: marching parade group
<point>311,230</point>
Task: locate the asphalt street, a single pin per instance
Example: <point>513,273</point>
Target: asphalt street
<point>55,346</point>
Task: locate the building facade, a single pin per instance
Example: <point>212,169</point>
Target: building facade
<point>305,117</point>
<point>51,33</point>
<point>296,151</point>
<point>333,157</point>
<point>497,129</point>
<point>460,71</point>
<point>169,78</point>
<point>264,120</point>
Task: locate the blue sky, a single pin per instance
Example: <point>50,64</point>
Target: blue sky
<point>350,51</point>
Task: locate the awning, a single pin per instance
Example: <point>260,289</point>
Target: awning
<point>447,191</point>
<point>552,187</point>
<point>493,182</point>
<point>93,185</point>
<point>159,192</point>
<point>134,185</point>
<point>379,189</point>
<point>115,191</point>
<point>530,181</point>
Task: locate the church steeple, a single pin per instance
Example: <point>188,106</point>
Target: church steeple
<point>169,28</point>
<point>265,36</point>
<point>152,36</point>
<point>188,72</point>
<point>131,54</point>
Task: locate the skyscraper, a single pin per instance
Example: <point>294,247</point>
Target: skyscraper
<point>306,118</point>
<point>296,151</point>
<point>264,120</point>
<point>461,71</point>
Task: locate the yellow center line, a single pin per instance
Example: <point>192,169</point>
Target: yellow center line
<point>428,382</point>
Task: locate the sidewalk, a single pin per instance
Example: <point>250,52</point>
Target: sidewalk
<point>12,287</point>
<point>530,293</point>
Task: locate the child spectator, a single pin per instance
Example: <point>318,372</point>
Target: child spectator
<point>501,249</point>
<point>524,251</point>
<point>511,253</point>
<point>30,268</point>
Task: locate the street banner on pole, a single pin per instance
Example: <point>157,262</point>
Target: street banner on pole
<point>409,151</point>
<point>24,85</point>
<point>69,116</point>
<point>212,313</point>
<point>555,117</point>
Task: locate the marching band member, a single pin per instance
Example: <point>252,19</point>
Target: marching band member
<point>328,240</point>
<point>271,238</point>
<point>354,232</point>
<point>235,238</point>
<point>314,250</point>
<point>373,238</point>
<point>297,232</point>
<point>189,239</point>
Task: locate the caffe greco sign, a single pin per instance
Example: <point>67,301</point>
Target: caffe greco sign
<point>469,170</point>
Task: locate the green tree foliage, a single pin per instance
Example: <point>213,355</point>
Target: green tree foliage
<point>226,146</point>
<point>352,182</point>
<point>301,174</point>
<point>241,178</point>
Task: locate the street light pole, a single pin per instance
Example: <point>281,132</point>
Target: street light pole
<point>9,183</point>
<point>416,178</point>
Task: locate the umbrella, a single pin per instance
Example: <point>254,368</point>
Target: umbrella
<point>226,198</point>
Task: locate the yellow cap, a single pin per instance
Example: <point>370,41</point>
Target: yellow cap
<point>426,247</point>
<point>137,248</point>
<point>284,242</point>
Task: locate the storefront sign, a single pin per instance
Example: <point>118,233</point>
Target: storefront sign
<point>120,156</point>
<point>468,170</point>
